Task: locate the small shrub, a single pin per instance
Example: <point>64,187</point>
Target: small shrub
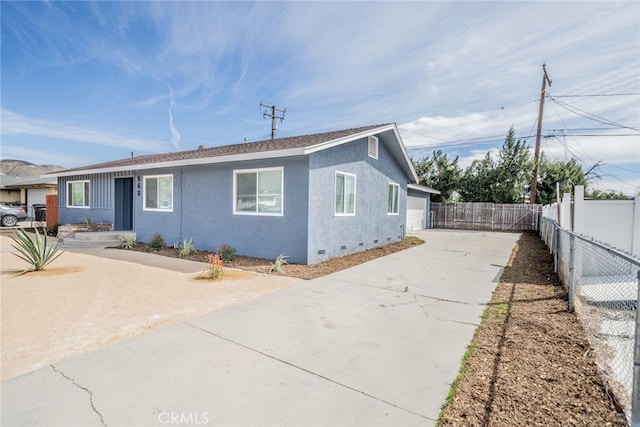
<point>156,242</point>
<point>215,268</point>
<point>227,253</point>
<point>35,252</point>
<point>278,264</point>
<point>53,230</point>
<point>127,240</point>
<point>88,220</point>
<point>188,247</point>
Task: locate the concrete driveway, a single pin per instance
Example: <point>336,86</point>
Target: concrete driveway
<point>377,344</point>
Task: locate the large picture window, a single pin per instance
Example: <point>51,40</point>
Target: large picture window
<point>392,206</point>
<point>158,193</point>
<point>258,191</point>
<point>78,194</point>
<point>345,200</point>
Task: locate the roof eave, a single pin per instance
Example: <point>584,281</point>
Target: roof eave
<point>423,189</point>
<point>186,162</point>
<point>339,141</point>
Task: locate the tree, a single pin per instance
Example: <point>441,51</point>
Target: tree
<point>568,174</point>
<point>598,194</point>
<point>477,181</point>
<point>440,173</point>
<point>504,180</point>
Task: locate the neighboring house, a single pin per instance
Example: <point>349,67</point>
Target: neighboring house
<point>311,197</point>
<point>26,190</point>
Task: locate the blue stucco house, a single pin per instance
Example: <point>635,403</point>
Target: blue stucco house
<point>311,197</point>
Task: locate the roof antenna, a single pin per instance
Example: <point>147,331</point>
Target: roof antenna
<point>272,112</point>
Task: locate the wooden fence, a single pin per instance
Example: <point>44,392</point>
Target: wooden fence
<point>486,216</point>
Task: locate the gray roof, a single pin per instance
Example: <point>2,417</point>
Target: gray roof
<point>282,147</point>
<point>14,182</point>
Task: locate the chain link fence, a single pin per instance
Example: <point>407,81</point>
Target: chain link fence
<point>602,284</point>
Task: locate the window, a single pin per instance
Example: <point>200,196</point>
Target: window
<point>345,194</point>
<point>373,147</point>
<point>258,191</point>
<point>158,193</point>
<point>392,206</point>
<point>78,194</point>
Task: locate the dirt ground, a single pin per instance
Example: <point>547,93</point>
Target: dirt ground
<point>82,302</point>
<point>260,265</point>
<point>530,363</point>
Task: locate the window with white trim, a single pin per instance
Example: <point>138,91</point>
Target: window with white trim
<point>393,205</point>
<point>258,191</point>
<point>373,146</point>
<point>345,196</point>
<point>158,193</point>
<point>78,194</point>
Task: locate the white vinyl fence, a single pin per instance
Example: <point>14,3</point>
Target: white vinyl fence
<point>614,222</point>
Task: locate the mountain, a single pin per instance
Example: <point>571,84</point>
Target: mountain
<point>22,168</point>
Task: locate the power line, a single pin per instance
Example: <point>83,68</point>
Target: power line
<point>590,116</point>
<point>596,94</point>
<point>597,134</point>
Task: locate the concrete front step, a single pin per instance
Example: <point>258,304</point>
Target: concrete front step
<point>94,239</point>
<point>70,242</point>
<point>101,235</point>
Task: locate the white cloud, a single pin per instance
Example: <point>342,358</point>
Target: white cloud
<point>17,124</point>
<point>175,135</point>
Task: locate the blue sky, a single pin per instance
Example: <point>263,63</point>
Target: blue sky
<point>87,82</point>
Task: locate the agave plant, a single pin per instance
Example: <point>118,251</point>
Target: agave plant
<point>35,252</point>
<point>188,247</point>
<point>278,264</point>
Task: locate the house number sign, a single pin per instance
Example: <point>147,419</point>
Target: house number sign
<point>139,185</point>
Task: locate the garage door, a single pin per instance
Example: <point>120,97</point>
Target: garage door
<point>416,213</point>
<point>36,196</point>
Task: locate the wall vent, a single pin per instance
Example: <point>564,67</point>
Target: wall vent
<point>361,244</point>
<point>375,241</point>
<point>373,147</point>
<point>343,247</point>
<point>321,252</point>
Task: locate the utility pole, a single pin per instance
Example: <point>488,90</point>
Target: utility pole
<point>534,181</point>
<point>272,112</point>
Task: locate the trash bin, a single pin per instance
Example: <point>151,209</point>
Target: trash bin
<point>40,212</point>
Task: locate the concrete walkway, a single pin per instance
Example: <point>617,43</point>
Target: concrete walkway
<point>377,344</point>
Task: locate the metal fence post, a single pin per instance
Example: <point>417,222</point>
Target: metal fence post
<point>635,395</point>
<point>572,262</point>
<point>555,244</point>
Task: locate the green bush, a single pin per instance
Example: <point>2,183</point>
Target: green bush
<point>227,253</point>
<point>35,252</point>
<point>156,242</point>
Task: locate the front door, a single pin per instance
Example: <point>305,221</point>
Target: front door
<point>123,204</point>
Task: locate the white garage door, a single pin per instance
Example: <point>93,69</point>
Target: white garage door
<point>36,196</point>
<point>416,213</point>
